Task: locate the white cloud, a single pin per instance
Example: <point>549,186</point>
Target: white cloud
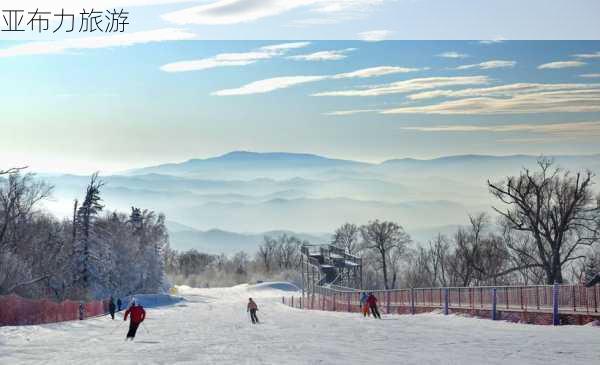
<point>563,101</point>
<point>337,6</point>
<point>268,85</point>
<point>499,91</point>
<point>561,64</point>
<point>453,55</point>
<point>590,76</point>
<point>375,72</point>
<point>232,11</point>
<point>105,41</point>
<point>282,47</point>
<point>565,130</point>
<point>284,82</point>
<point>233,59</point>
<point>492,41</point>
<point>375,35</point>
<point>408,86</point>
<point>220,60</point>
<point>323,55</point>
<point>489,65</point>
<point>242,11</point>
<point>588,55</point>
<point>351,112</point>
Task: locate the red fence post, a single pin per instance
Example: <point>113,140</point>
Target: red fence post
<point>471,305</point>
<point>480,297</point>
<point>387,297</point>
<point>521,296</point>
<point>595,298</point>
<point>348,299</point>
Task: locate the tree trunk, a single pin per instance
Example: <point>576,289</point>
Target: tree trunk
<point>556,269</point>
<point>384,267</point>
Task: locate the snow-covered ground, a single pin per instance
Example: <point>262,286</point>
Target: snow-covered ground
<point>212,327</point>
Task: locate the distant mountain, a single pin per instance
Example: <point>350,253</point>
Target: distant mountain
<point>216,241</point>
<point>244,164</point>
<point>483,165</point>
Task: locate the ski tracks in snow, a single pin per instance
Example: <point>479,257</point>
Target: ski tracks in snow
<point>212,327</point>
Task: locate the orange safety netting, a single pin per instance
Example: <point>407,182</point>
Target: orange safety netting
<point>15,310</point>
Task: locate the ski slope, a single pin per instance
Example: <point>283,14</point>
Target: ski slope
<point>212,327</point>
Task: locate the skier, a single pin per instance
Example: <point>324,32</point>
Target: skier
<point>119,304</point>
<point>372,301</point>
<point>111,307</point>
<point>138,314</point>
<point>364,306</point>
<point>252,308</point>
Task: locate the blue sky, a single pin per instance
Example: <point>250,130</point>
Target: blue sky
<point>158,95</point>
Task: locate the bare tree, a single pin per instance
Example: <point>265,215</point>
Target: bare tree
<point>266,251</point>
<point>556,208</point>
<point>388,240</point>
<point>346,237</point>
<point>439,252</point>
<point>19,194</point>
<point>288,248</point>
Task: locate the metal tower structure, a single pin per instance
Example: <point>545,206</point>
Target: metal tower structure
<point>327,265</point>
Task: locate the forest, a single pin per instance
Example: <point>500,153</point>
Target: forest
<point>94,254</point>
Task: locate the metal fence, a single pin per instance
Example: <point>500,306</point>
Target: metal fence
<point>554,299</point>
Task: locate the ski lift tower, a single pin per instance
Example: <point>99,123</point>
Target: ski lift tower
<point>328,265</point>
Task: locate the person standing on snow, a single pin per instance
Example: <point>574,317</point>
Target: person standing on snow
<point>138,314</point>
<point>372,301</point>
<point>119,304</point>
<point>252,308</point>
<point>364,306</point>
<point>111,307</point>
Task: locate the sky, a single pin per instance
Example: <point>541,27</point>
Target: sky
<point>160,93</point>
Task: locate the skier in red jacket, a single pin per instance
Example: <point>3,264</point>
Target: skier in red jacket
<point>138,314</point>
<point>372,302</point>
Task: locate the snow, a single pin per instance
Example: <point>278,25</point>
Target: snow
<point>152,300</point>
<point>211,327</point>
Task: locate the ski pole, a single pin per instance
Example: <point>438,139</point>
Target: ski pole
<point>144,327</point>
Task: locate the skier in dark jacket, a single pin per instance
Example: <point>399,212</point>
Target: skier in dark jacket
<point>119,304</point>
<point>372,301</point>
<point>111,307</point>
<point>138,314</point>
<point>252,308</point>
<point>364,306</point>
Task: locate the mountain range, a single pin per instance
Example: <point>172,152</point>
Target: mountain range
<point>229,202</point>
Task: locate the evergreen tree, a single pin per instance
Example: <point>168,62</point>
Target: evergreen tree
<point>90,251</point>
